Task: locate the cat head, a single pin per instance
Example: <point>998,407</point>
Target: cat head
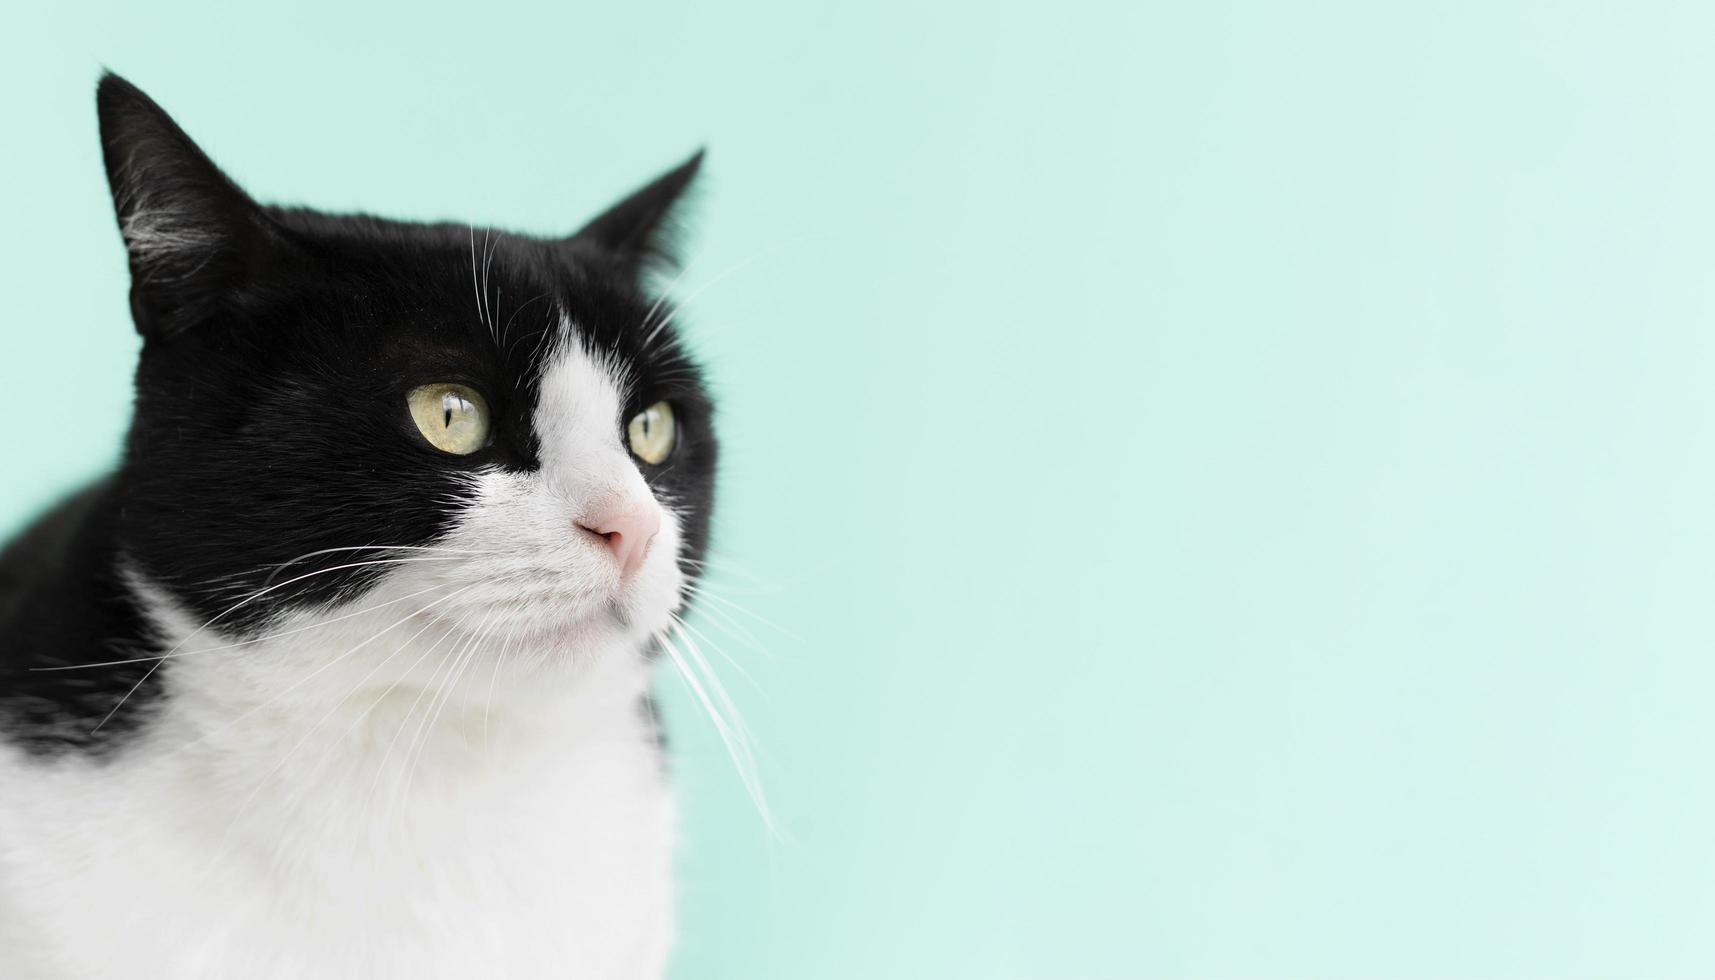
<point>340,414</point>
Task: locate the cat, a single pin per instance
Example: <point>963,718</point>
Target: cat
<point>344,671</point>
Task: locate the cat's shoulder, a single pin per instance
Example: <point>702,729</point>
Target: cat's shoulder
<point>55,539</point>
<point>62,604</point>
<point>46,557</point>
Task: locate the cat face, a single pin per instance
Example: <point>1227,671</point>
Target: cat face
<point>344,414</point>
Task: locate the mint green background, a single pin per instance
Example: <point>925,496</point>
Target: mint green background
<point>1233,480</point>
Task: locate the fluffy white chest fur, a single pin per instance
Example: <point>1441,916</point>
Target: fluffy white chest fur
<point>398,835</point>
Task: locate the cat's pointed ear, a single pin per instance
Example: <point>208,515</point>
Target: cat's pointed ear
<point>638,232</point>
<point>190,232</point>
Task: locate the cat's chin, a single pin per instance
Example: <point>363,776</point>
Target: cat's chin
<point>569,633</point>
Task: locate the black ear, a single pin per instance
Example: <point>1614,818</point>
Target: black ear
<point>637,233</point>
<point>192,235</point>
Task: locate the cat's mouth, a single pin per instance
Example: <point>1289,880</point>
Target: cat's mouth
<point>560,619</point>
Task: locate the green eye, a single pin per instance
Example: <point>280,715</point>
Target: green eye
<point>453,417</point>
<point>652,433</point>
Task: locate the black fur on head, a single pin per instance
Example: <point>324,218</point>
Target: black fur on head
<point>272,436</point>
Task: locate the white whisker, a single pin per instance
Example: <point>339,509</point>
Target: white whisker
<point>702,591</point>
<point>732,733</point>
<point>252,641</point>
<point>700,635</point>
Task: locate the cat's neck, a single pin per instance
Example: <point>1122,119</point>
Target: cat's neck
<point>282,736</point>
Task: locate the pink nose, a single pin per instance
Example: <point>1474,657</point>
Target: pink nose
<point>627,530</point>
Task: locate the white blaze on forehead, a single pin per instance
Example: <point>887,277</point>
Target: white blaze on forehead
<point>578,424</point>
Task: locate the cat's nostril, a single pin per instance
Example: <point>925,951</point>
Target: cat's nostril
<point>605,537</point>
<point>626,533</point>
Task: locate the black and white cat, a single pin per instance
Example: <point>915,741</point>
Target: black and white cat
<point>345,671</point>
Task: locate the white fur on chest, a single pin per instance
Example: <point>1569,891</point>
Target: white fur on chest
<point>511,833</point>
